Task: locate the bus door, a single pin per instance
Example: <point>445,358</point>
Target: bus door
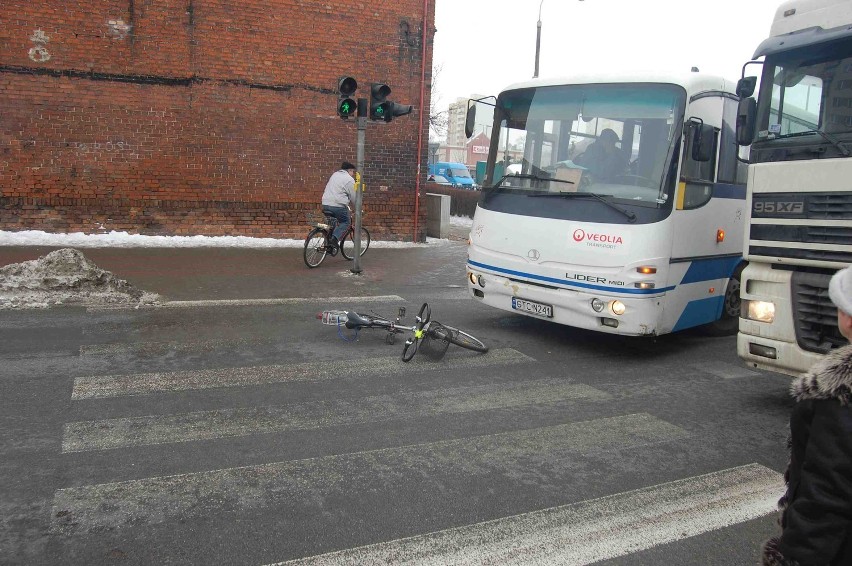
<point>708,219</point>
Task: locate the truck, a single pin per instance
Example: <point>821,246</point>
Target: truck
<point>647,243</point>
<point>456,174</point>
<point>799,189</point>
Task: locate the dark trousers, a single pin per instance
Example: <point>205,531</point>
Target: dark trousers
<point>341,213</point>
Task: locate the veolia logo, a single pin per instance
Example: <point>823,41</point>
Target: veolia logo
<point>581,235</point>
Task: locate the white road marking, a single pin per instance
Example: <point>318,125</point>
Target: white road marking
<point>726,370</point>
<point>587,532</point>
<point>103,386</point>
<point>207,425</point>
<point>255,302</point>
<point>534,455</point>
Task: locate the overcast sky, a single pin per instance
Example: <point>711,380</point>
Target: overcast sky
<point>484,45</point>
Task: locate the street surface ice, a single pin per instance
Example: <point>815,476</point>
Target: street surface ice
<point>65,277</point>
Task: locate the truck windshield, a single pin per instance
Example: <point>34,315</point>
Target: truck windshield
<point>460,173</point>
<point>810,94</point>
<point>608,139</point>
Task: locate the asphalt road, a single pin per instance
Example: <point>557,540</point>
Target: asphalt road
<point>246,432</point>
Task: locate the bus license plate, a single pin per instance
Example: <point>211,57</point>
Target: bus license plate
<point>532,307</point>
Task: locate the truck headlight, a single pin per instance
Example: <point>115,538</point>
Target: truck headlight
<point>761,311</point>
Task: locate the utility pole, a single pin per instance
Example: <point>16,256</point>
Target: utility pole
<point>359,185</point>
<point>537,40</point>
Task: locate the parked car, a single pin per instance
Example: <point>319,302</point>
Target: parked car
<point>456,173</point>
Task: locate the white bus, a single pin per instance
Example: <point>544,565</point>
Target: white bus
<point>648,243</point>
<point>799,200</point>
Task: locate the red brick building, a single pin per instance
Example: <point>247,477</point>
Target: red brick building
<point>212,117</point>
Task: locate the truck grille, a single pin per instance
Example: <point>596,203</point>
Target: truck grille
<point>814,315</point>
<point>785,220</point>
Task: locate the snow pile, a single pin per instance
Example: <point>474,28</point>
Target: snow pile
<point>65,277</point>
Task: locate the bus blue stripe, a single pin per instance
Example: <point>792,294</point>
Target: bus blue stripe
<point>722,190</point>
<point>702,311</point>
<point>710,269</point>
<point>567,283</point>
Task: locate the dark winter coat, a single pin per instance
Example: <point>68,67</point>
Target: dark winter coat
<point>816,511</point>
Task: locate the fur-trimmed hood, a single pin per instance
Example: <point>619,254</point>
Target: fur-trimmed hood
<point>829,378</point>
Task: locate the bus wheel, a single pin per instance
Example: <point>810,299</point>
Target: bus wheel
<point>729,324</point>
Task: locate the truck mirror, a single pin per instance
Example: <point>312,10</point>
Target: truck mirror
<point>745,86</point>
<point>746,113</point>
<point>470,119</point>
<point>703,138</point>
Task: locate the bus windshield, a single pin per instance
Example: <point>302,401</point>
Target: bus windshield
<point>613,140</point>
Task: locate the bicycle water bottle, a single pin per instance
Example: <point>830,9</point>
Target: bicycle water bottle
<point>334,318</point>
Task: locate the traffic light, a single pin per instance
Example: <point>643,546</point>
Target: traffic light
<point>383,109</point>
<point>346,105</point>
<point>379,106</point>
<point>397,109</point>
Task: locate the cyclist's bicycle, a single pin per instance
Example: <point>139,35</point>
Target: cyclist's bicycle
<point>430,336</point>
<point>316,244</point>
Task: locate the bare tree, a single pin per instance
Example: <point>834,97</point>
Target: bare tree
<point>438,119</point>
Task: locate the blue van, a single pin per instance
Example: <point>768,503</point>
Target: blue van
<point>456,173</point>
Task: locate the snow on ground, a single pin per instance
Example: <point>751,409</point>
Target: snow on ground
<point>67,277</point>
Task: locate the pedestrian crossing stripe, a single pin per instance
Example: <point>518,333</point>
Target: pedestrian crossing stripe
<point>105,386</point>
<point>584,533</point>
<point>515,454</point>
<point>243,421</point>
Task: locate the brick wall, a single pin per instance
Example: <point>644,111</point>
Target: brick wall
<point>211,117</point>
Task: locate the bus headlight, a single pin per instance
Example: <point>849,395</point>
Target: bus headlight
<point>597,305</point>
<point>472,278</point>
<point>761,311</point>
<point>617,308</point>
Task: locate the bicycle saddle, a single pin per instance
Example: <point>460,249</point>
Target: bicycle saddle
<point>354,320</point>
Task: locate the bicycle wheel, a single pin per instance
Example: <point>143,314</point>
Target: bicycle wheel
<point>347,245</point>
<point>315,247</point>
<point>410,347</point>
<point>458,337</point>
<point>420,329</point>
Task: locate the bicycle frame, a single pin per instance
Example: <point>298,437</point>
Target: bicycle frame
<point>317,242</point>
<point>424,328</point>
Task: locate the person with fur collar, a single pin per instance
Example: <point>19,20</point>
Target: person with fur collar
<point>816,510</point>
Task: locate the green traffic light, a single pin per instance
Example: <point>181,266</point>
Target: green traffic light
<point>346,107</point>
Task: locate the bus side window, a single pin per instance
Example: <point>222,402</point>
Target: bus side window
<point>731,170</point>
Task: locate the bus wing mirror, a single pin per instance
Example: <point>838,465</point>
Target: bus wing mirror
<point>746,114</point>
<point>703,137</point>
<point>745,86</point>
<point>470,119</point>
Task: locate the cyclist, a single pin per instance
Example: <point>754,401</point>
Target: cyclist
<point>339,192</point>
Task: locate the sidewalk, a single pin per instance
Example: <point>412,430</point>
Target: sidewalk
<point>221,273</point>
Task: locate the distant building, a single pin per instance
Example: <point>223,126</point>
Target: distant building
<point>457,114</point>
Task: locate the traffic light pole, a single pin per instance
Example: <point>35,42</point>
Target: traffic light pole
<point>359,182</point>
